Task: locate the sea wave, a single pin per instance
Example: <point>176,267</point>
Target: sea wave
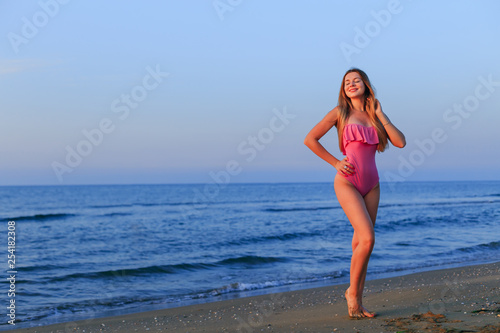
<point>139,271</point>
<point>115,214</point>
<point>163,269</point>
<point>242,286</point>
<point>296,209</point>
<point>263,239</point>
<point>439,203</point>
<point>251,260</point>
<point>141,204</point>
<point>481,247</point>
<point>39,217</point>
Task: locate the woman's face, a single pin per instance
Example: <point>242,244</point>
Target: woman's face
<point>353,85</point>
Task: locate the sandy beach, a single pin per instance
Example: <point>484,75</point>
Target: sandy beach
<point>465,299</point>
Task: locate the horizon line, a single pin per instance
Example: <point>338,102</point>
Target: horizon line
<point>240,183</point>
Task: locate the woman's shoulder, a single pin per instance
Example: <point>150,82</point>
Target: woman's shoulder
<point>333,115</point>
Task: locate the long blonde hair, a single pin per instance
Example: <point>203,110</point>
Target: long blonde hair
<point>345,107</point>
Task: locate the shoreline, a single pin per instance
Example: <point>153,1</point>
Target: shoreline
<point>461,298</point>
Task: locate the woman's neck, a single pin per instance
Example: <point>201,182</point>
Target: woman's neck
<point>358,104</point>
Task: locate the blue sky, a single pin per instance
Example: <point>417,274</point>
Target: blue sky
<point>225,91</point>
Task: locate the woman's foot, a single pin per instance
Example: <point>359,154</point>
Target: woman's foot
<point>367,313</point>
<point>355,309</point>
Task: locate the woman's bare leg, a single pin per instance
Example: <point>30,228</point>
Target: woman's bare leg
<point>371,201</point>
<point>361,212</point>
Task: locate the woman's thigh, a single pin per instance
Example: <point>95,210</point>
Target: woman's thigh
<point>372,199</point>
<point>355,207</point>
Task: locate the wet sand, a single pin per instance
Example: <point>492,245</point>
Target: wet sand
<point>465,299</point>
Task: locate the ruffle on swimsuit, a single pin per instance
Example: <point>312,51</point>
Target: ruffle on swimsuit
<point>360,133</point>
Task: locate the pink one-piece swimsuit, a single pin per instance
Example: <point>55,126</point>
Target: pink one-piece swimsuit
<point>360,144</point>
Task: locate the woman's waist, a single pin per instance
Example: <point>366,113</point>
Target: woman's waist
<point>361,154</point>
<point>361,159</point>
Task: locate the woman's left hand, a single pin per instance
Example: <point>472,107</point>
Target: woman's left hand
<point>394,135</point>
<point>378,109</point>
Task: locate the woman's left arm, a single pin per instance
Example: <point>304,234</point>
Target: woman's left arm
<point>396,137</point>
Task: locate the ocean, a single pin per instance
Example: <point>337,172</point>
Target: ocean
<point>83,252</point>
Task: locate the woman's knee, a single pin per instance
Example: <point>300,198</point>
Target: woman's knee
<point>367,241</point>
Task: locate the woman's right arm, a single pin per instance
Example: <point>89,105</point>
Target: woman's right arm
<point>312,141</point>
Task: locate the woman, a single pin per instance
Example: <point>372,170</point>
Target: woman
<point>363,128</point>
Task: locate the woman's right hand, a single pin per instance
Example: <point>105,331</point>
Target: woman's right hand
<point>344,167</point>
